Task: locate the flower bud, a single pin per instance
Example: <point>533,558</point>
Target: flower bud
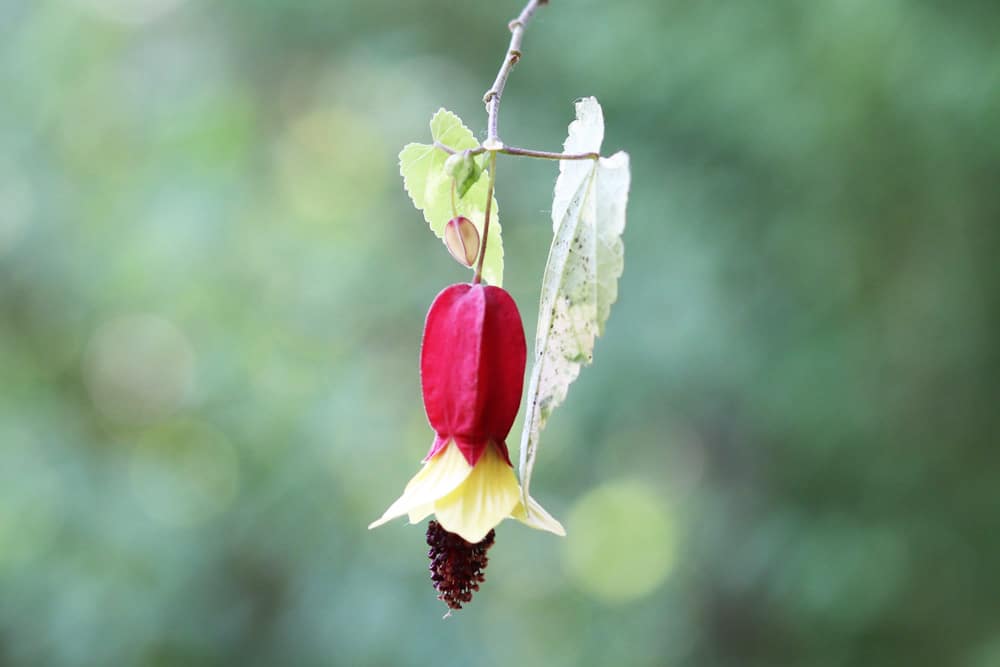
<point>462,239</point>
<point>464,170</point>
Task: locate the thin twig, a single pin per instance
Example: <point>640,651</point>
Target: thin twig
<point>546,155</point>
<point>493,95</point>
<point>521,152</point>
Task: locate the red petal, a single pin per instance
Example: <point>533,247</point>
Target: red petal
<point>472,367</point>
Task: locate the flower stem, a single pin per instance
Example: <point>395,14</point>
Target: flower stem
<point>486,220</point>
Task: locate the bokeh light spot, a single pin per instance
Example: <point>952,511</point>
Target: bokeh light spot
<point>184,473</point>
<point>621,541</point>
<point>331,166</point>
<point>987,654</point>
<point>138,368</point>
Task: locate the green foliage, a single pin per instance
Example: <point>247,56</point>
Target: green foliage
<point>581,275</point>
<point>427,181</point>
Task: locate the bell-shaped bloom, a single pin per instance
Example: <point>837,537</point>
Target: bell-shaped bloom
<point>472,373</point>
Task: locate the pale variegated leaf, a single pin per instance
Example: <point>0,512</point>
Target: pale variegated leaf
<point>581,276</point>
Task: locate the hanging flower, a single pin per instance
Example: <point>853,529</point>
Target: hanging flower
<point>472,373</point>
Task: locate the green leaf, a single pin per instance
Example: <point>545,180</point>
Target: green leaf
<point>429,186</point>
<point>581,277</point>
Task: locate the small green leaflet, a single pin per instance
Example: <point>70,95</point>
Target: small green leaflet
<point>429,186</point>
<point>581,276</point>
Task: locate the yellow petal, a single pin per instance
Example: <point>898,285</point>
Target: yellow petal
<point>439,477</point>
<point>537,518</point>
<point>420,513</point>
<point>481,502</point>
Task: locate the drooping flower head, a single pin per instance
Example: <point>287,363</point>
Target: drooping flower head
<point>472,373</point>
<point>472,369</point>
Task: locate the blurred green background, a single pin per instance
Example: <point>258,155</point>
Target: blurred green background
<point>212,288</point>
